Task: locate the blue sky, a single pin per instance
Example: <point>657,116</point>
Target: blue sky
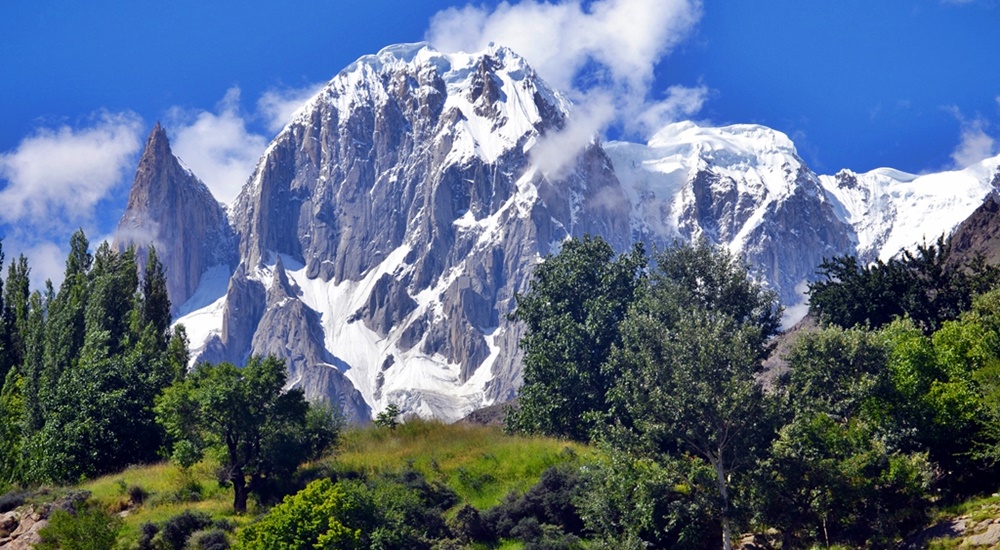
<point>909,84</point>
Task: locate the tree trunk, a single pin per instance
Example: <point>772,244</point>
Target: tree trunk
<point>240,493</point>
<point>720,476</point>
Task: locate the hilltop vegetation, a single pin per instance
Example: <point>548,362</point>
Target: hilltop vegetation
<point>641,387</point>
<point>888,409</point>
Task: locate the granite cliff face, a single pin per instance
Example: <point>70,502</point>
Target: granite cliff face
<point>389,225</point>
<point>173,210</point>
<point>380,242</point>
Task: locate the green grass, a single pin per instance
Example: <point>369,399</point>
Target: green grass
<point>481,464</point>
<point>169,491</point>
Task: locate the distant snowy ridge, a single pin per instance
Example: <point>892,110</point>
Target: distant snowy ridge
<point>745,187</point>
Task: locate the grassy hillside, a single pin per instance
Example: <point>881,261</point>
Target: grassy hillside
<point>480,464</point>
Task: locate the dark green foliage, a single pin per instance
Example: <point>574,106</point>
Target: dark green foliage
<point>14,316</point>
<point>929,286</point>
<point>389,418</point>
<point>177,530</point>
<point>390,512</point>
<point>635,503</point>
<point>77,401</point>
<point>12,499</point>
<point>213,539</point>
<point>691,348</point>
<point>468,525</point>
<point>190,529</point>
<point>834,482</point>
<point>136,495</point>
<point>261,430</point>
<point>572,314</point>
<point>147,531</point>
<point>85,528</point>
<point>154,305</point>
<point>847,466</point>
<point>544,516</point>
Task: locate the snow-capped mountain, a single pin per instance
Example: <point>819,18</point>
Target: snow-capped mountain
<point>744,187</point>
<point>891,210</point>
<point>387,228</point>
<point>380,241</point>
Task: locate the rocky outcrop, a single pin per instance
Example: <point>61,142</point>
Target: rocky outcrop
<point>172,209</point>
<point>979,234</point>
<point>20,528</point>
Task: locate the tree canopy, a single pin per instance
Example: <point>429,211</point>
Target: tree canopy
<point>572,317</point>
<point>262,432</point>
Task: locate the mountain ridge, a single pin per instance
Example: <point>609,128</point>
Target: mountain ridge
<point>380,242</point>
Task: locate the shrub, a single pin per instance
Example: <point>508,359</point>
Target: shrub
<point>136,495</point>
<point>549,502</point>
<point>86,528</point>
<point>212,539</point>
<point>177,530</point>
<point>11,500</point>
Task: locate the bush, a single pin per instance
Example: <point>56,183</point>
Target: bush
<point>86,528</point>
<point>136,495</point>
<point>13,499</point>
<point>549,502</point>
<point>177,530</point>
<point>212,539</point>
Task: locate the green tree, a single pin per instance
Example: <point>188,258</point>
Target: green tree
<point>691,348</point>
<point>836,482</point>
<point>312,518</point>
<point>154,309</point>
<point>847,467</point>
<point>259,429</point>
<point>572,314</point>
<point>930,286</point>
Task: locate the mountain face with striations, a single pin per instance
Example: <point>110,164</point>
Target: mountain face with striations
<point>172,209</point>
<point>380,242</point>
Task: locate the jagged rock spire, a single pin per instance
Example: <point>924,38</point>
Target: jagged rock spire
<point>172,209</point>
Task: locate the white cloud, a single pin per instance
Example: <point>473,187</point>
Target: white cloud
<point>974,143</point>
<point>278,106</point>
<point>46,260</point>
<point>57,176</point>
<point>681,101</point>
<point>607,49</point>
<point>217,147</point>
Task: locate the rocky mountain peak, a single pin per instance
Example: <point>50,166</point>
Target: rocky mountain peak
<point>171,209</point>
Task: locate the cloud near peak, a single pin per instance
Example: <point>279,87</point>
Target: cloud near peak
<point>601,55</point>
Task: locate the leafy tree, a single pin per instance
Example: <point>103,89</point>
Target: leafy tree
<point>635,502</point>
<point>572,314</point>
<point>836,482</point>
<point>259,429</point>
<point>389,418</point>
<point>930,286</point>
<point>13,315</point>
<point>691,348</point>
<point>65,329</point>
<point>154,305</point>
<point>846,467</point>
